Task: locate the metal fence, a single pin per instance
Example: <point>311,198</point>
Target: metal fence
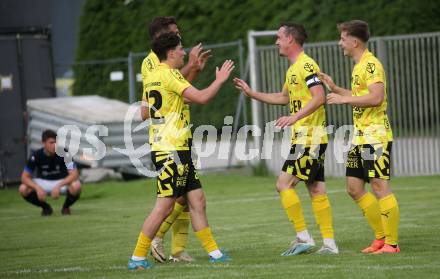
<point>412,65</point>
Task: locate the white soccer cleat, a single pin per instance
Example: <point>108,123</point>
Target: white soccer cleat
<point>182,256</point>
<point>157,250</point>
<point>327,250</point>
<point>299,246</point>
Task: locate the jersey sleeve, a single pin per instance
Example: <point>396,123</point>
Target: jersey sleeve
<point>309,72</point>
<point>149,64</point>
<point>286,83</point>
<point>176,82</point>
<point>70,166</point>
<point>31,164</point>
<point>374,72</point>
<point>144,74</point>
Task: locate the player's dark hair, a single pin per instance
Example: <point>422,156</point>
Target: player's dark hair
<point>48,134</point>
<point>355,28</point>
<point>297,31</point>
<point>165,43</point>
<point>160,25</point>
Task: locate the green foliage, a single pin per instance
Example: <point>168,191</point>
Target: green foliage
<point>110,29</point>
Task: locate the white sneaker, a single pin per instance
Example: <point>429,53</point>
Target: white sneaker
<point>299,246</point>
<point>182,256</point>
<point>157,250</point>
<point>327,250</point>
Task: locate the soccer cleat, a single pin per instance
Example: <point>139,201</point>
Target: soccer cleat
<point>157,250</point>
<point>182,256</point>
<point>299,246</point>
<point>327,250</point>
<point>47,211</point>
<point>376,245</point>
<point>139,265</point>
<point>387,249</point>
<point>224,258</point>
<point>65,211</point>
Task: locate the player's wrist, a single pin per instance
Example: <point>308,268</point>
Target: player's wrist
<point>345,100</point>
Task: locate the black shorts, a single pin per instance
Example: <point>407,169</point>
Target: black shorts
<point>369,161</point>
<point>177,174</point>
<point>307,164</point>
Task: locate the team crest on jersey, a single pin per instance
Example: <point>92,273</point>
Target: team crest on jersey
<point>308,67</point>
<point>352,152</point>
<point>181,169</point>
<point>371,67</point>
<point>178,75</point>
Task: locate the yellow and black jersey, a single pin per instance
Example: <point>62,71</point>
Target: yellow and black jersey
<point>163,89</point>
<point>300,77</point>
<point>371,124</point>
<point>148,66</point>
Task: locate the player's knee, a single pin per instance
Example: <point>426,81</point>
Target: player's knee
<point>181,200</point>
<point>380,189</point>
<point>281,186</point>
<point>198,204</point>
<point>354,193</point>
<point>316,191</point>
<point>377,187</point>
<point>23,190</point>
<point>163,211</point>
<point>167,211</point>
<point>75,187</point>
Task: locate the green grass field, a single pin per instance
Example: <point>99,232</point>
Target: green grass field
<point>247,220</point>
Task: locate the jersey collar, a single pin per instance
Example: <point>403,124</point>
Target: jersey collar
<point>365,55</point>
<point>300,55</point>
<point>163,66</point>
<point>154,57</point>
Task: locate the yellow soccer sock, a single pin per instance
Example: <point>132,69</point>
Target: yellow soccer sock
<point>370,207</point>
<point>166,224</point>
<point>389,210</point>
<point>142,245</point>
<point>323,215</point>
<point>179,237</point>
<point>207,240</point>
<point>292,206</point>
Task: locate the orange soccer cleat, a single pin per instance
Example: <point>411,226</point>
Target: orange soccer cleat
<point>388,249</point>
<point>376,245</point>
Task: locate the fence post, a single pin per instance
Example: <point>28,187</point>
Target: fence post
<point>131,79</point>
<point>382,53</point>
<point>255,105</point>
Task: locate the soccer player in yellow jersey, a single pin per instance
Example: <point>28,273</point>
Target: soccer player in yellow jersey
<point>305,94</point>
<point>370,157</point>
<point>167,89</point>
<point>179,219</point>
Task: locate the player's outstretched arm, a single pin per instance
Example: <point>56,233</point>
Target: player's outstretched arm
<point>374,98</point>
<point>280,98</point>
<point>205,95</point>
<point>318,99</point>
<point>331,86</point>
<point>145,112</point>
